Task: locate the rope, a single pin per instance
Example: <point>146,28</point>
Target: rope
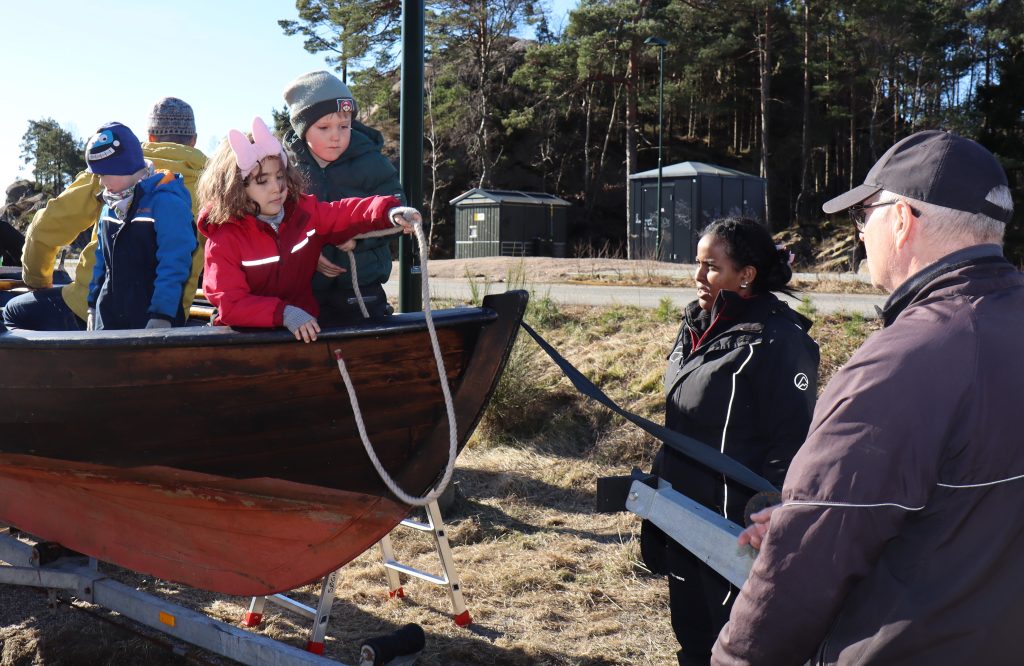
<point>355,283</point>
<point>435,492</point>
<point>352,263</point>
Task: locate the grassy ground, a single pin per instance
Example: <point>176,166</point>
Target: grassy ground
<point>546,580</point>
<point>645,276</point>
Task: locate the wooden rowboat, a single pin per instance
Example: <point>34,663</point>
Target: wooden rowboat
<point>230,460</point>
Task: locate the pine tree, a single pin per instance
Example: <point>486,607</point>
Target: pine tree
<point>55,154</point>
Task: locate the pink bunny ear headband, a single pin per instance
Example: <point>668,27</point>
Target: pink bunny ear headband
<point>263,145</point>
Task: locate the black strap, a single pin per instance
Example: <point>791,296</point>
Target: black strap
<point>687,446</point>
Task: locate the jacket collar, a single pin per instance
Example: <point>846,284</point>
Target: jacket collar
<point>363,140</point>
<point>914,287</point>
<point>175,156</point>
<point>731,309</point>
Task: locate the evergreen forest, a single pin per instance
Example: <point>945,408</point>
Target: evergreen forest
<point>804,93</point>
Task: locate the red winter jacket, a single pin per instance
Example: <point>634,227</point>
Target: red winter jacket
<point>252,273</point>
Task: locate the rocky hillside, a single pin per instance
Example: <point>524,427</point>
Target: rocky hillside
<point>23,200</point>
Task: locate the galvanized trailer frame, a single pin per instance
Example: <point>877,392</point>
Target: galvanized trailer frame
<point>81,578</point>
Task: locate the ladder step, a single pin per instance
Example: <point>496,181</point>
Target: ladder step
<point>416,573</point>
<point>417,525</point>
<point>293,605</point>
<point>320,615</point>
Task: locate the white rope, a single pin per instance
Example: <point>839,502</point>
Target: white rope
<point>435,492</point>
<point>352,264</point>
<point>355,283</point>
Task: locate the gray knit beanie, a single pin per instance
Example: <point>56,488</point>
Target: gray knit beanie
<point>171,116</point>
<point>313,95</point>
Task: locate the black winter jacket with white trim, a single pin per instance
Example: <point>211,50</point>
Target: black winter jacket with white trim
<point>742,379</point>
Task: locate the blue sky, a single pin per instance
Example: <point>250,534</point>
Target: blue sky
<point>87,63</point>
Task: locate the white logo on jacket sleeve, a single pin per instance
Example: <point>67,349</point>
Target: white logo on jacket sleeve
<point>801,381</point>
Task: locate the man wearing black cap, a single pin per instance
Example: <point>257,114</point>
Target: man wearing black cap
<point>898,540</point>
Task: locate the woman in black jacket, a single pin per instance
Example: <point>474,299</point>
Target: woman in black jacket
<point>742,378</point>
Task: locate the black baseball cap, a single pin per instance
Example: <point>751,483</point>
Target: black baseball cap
<point>935,167</point>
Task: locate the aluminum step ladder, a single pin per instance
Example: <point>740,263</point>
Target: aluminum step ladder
<point>393,568</point>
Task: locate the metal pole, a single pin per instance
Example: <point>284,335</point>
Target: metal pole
<point>661,112</point>
<point>661,44</point>
<point>411,147</point>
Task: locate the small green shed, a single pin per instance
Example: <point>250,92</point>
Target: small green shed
<point>510,223</point>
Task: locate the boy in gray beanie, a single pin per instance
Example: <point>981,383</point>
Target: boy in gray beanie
<point>340,158</point>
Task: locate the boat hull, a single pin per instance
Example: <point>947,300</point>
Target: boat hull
<point>231,461</point>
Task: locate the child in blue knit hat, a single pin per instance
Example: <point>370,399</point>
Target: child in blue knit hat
<point>146,237</point>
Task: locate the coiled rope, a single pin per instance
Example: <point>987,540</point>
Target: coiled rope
<point>436,491</point>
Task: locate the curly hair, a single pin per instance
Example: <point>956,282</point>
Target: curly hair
<point>221,188</point>
<point>748,243</point>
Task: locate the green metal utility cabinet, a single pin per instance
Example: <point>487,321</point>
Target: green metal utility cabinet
<point>693,195</point>
<point>507,223</point>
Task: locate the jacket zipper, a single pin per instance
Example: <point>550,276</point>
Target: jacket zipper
<point>820,659</point>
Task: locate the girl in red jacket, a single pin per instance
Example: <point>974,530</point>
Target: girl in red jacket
<point>264,236</point>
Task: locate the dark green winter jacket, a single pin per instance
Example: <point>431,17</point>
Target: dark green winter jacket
<point>361,171</point>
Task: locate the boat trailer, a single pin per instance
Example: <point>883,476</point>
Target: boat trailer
<point>56,569</point>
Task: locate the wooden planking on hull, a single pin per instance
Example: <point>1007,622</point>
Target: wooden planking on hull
<point>244,538</point>
<point>229,461</point>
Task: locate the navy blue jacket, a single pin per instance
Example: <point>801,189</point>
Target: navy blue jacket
<point>144,262</point>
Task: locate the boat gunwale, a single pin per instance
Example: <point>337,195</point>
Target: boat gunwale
<point>215,336</point>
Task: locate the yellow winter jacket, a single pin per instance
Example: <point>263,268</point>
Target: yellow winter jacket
<point>78,208</point>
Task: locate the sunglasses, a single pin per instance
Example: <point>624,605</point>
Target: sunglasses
<point>859,213</point>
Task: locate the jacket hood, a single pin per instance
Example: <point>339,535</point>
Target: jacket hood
<point>209,229</point>
<point>175,157</point>
<point>205,228</point>
<point>364,140</point>
<point>166,184</point>
<point>944,271</point>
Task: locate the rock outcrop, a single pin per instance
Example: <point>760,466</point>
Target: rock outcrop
<point>23,200</point>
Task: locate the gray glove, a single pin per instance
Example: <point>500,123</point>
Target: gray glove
<point>90,320</point>
<point>156,322</point>
<point>408,213</point>
<point>295,317</point>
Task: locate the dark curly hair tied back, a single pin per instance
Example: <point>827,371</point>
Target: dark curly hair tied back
<point>748,243</point>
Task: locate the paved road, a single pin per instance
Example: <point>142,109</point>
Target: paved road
<point>643,297</point>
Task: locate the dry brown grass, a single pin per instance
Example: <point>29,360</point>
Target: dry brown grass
<point>619,272</point>
<point>827,286</point>
<point>546,580</point>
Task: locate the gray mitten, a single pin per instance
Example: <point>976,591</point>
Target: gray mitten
<point>295,317</point>
<point>156,322</point>
<point>408,213</point>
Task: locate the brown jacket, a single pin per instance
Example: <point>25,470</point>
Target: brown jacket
<point>900,539</point>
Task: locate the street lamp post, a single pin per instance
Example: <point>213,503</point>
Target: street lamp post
<point>661,44</point>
